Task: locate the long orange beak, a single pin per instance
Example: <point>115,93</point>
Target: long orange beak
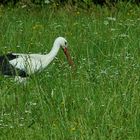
<point>68,57</point>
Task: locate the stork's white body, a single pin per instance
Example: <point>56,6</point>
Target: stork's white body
<point>31,63</point>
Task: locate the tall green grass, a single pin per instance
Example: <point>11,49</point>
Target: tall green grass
<point>100,100</point>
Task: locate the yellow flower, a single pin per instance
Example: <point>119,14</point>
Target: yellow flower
<point>73,129</point>
<point>37,26</point>
<point>77,12</point>
<point>54,125</point>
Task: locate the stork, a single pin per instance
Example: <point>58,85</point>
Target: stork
<point>23,65</point>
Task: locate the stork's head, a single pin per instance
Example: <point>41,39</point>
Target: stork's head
<point>62,43</point>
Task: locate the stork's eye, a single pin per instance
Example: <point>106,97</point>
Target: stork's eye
<point>65,43</point>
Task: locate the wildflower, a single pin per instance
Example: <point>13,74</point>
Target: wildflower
<point>116,72</point>
<point>103,72</point>
<point>77,12</point>
<point>27,111</point>
<point>123,35</point>
<point>46,1</point>
<point>6,114</point>
<point>18,46</point>
<point>112,29</point>
<point>5,47</point>
<point>24,6</point>
<point>56,26</point>
<point>11,127</point>
<point>54,125</point>
<point>75,23</point>
<point>37,26</point>
<point>111,18</point>
<point>22,118</point>
<point>5,125</point>
<point>20,125</point>
<point>95,33</point>
<point>34,104</point>
<point>73,129</point>
<point>106,22</point>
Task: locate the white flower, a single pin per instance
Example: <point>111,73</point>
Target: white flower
<point>46,1</point>
<point>20,125</point>
<point>11,127</point>
<point>124,35</point>
<point>106,22</point>
<point>18,46</point>
<point>103,72</point>
<point>112,29</point>
<point>111,18</point>
<point>27,111</point>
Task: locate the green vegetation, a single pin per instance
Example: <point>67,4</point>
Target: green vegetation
<point>100,100</point>
<point>79,3</point>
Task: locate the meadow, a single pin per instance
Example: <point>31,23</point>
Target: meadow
<point>100,100</point>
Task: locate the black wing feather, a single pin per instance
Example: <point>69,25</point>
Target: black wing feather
<point>7,69</point>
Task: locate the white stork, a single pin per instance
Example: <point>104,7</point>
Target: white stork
<point>23,65</point>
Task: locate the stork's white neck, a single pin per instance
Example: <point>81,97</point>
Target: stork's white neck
<point>55,49</point>
<point>51,55</point>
